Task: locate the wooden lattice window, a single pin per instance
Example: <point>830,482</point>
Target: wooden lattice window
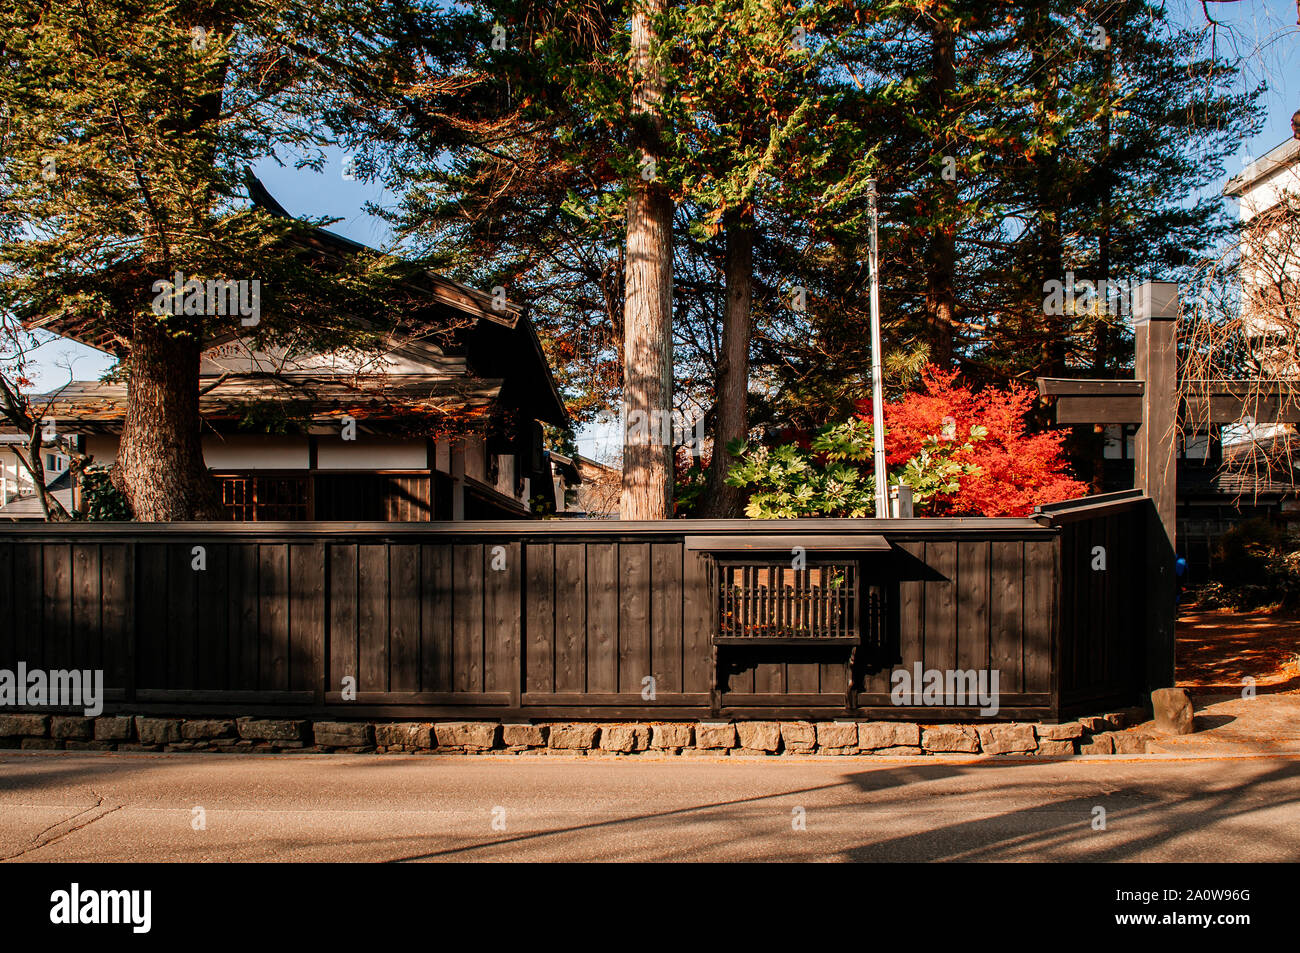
<point>265,498</point>
<point>774,603</point>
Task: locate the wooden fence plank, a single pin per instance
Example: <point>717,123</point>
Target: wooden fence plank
<point>602,617</point>
<point>1074,582</point>
<point>1103,586</point>
<point>182,615</point>
<point>911,608</point>
<point>666,617</point>
<point>634,586</point>
<point>245,600</point>
<point>941,605</point>
<point>502,619</point>
<point>306,617</point>
<point>698,620</point>
<point>973,605</point>
<point>1040,610</point>
<point>273,617</point>
<point>117,590</point>
<point>437,598</point>
<point>404,617</point>
<point>539,617</point>
<point>467,620</point>
<point>212,627</point>
<point>9,653</point>
<point>372,618</point>
<point>86,601</point>
<point>1006,612</point>
<point>29,602</point>
<point>152,584</point>
<point>57,558</point>
<point>570,617</point>
<point>343,633</point>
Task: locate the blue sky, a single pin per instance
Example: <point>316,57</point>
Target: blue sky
<point>1263,30</point>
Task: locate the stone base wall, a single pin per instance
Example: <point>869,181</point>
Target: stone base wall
<point>1100,734</point>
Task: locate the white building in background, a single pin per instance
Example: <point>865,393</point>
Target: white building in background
<point>1268,194</point>
<point>15,481</point>
<point>18,499</point>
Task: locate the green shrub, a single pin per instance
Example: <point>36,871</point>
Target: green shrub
<point>102,501</point>
<point>835,477</point>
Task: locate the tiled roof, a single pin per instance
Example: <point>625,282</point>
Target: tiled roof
<point>29,507</point>
<point>1232,483</point>
<point>323,397</point>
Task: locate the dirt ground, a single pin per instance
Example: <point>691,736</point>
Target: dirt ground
<point>1217,648</point>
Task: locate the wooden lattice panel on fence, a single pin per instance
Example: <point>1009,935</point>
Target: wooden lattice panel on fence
<point>775,604</point>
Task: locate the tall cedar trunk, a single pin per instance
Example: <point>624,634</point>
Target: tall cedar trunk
<point>159,466</point>
<point>648,299</point>
<point>732,385</point>
<point>1048,194</point>
<point>1101,330</point>
<point>941,253</point>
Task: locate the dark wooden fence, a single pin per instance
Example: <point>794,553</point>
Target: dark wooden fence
<point>1104,654</point>
<point>556,619</point>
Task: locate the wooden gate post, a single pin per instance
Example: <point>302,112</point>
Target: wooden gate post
<point>1155,317</point>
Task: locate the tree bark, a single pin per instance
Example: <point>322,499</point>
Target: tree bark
<point>732,386</point>
<point>941,254</point>
<point>160,467</point>
<point>1049,200</point>
<point>1101,330</point>
<point>647,307</point>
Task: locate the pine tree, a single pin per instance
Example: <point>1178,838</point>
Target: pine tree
<point>130,129</point>
<point>760,146</point>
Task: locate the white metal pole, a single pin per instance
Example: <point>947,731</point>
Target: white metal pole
<point>877,371</point>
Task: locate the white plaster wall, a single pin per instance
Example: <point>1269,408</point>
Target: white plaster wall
<point>265,452</point>
<point>14,478</point>
<point>255,452</point>
<point>1264,194</point>
<point>370,453</point>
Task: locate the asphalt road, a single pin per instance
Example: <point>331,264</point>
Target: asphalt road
<point>140,807</point>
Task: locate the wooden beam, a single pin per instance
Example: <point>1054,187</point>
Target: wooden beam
<point>1155,464</point>
<point>1229,408</point>
<point>1089,387</point>
<point>1089,401</point>
<point>783,544</point>
<point>1116,409</point>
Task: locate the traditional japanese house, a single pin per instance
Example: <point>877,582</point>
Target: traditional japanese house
<point>432,426</point>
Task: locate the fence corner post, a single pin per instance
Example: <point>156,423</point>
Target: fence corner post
<point>1155,472</point>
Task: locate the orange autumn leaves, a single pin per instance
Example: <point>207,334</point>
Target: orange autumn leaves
<point>1017,469</point>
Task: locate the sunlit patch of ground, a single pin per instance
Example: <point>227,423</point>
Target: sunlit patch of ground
<point>1217,648</point>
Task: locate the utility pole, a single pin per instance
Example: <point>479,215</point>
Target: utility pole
<point>877,371</point>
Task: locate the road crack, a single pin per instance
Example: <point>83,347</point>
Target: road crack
<point>57,831</point>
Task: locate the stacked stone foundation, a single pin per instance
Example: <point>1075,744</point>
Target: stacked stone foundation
<point>1100,734</point>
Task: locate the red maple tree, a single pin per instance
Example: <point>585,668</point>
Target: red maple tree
<point>1018,469</point>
